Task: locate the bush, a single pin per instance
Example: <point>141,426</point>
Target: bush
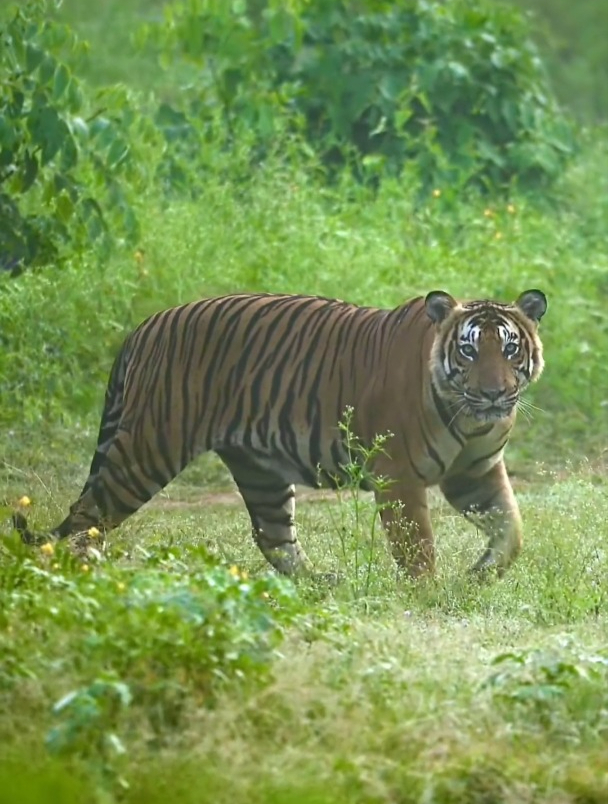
<point>457,90</point>
<point>133,641</point>
<point>71,162</point>
<point>573,40</point>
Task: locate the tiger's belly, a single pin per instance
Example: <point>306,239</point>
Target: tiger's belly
<point>299,462</point>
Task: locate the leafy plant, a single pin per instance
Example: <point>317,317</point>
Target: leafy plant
<point>357,524</point>
<point>543,683</point>
<point>160,634</point>
<point>71,161</point>
<point>455,90</point>
<point>90,717</point>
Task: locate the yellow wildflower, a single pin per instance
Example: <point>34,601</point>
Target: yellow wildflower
<point>24,501</point>
<point>47,549</point>
<point>84,568</point>
<point>234,571</point>
<point>436,193</point>
<point>488,213</point>
<point>121,586</point>
<point>511,209</point>
<point>93,533</point>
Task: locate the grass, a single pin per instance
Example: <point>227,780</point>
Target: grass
<point>392,695</point>
<point>196,674</point>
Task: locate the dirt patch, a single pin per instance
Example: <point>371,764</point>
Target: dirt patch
<point>231,498</point>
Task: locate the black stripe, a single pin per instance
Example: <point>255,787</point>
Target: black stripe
<point>487,457</point>
<point>431,451</point>
<point>238,420</point>
<point>314,438</point>
<point>412,464</point>
<point>444,415</point>
<point>263,425</point>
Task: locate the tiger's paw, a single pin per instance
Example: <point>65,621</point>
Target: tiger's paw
<point>329,579</point>
<point>485,573</point>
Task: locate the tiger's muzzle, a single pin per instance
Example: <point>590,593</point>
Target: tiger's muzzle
<point>490,404</point>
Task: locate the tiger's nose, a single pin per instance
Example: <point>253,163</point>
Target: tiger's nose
<point>492,394</point>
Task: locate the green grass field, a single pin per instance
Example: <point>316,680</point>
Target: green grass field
<point>192,673</point>
<point>378,692</point>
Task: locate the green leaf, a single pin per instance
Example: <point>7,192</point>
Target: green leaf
<point>64,207</point>
<point>117,154</point>
<point>48,131</point>
<point>46,71</point>
<point>30,171</point>
<point>69,152</point>
<point>8,133</point>
<point>33,57</point>
<point>60,81</point>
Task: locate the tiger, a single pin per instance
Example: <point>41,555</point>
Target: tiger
<point>263,380</point>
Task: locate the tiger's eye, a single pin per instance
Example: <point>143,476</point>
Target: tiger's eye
<point>468,351</point>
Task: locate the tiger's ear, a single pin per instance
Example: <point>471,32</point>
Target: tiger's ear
<point>439,305</point>
<point>533,303</point>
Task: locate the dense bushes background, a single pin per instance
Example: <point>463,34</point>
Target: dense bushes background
<point>71,159</point>
<point>457,90</point>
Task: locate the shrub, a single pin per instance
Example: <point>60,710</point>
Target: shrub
<point>71,161</point>
<point>457,90</point>
<point>138,641</point>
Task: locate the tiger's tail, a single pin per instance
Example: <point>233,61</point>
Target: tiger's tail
<point>27,536</point>
<point>110,420</point>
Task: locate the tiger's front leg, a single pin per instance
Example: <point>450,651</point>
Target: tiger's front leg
<point>405,516</point>
<point>488,500</point>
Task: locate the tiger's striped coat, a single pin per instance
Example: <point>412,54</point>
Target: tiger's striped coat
<point>263,380</point>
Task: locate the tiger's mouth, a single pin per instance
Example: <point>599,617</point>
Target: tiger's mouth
<point>488,410</point>
<point>490,413</point>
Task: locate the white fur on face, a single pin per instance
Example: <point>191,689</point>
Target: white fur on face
<point>470,332</point>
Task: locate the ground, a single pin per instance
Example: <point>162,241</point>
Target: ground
<point>379,690</point>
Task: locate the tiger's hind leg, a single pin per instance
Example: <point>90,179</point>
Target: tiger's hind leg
<point>270,503</point>
<point>488,500</point>
<point>108,430</point>
<point>131,473</point>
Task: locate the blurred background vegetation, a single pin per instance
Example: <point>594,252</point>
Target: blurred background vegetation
<point>154,152</point>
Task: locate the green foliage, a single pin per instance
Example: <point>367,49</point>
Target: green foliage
<point>159,673</point>
<point>134,641</point>
<point>457,92</point>
<point>572,39</point>
<point>546,688</point>
<point>214,624</point>
<point>71,161</point>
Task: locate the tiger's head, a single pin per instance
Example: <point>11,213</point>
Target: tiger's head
<point>485,353</point>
